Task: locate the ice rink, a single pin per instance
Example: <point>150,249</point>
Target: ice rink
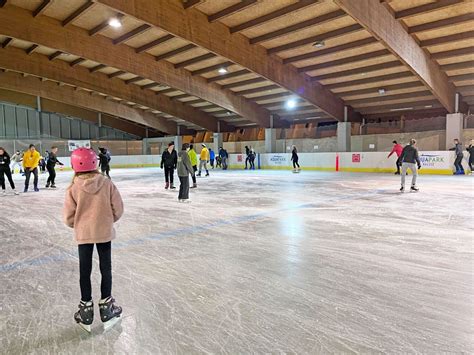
<point>259,262</point>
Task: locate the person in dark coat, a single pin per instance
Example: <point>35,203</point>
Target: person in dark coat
<point>104,161</point>
<point>50,166</point>
<point>295,158</point>
<point>169,160</point>
<point>459,155</point>
<point>5,171</point>
<point>470,150</point>
<point>184,170</point>
<point>410,160</point>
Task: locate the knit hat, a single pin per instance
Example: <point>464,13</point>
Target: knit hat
<point>203,145</point>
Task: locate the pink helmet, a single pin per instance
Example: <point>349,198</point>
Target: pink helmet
<point>83,160</point>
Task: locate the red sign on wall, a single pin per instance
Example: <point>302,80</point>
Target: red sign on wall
<point>239,158</point>
<point>356,158</point>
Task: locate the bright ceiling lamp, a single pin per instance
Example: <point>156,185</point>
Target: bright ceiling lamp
<point>290,104</point>
<point>222,70</point>
<point>115,22</point>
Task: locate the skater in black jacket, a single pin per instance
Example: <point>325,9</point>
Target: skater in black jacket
<point>470,150</point>
<point>104,161</point>
<point>169,159</point>
<point>295,158</point>
<point>50,166</point>
<point>410,160</point>
<point>5,170</point>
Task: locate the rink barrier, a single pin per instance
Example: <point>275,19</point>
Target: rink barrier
<point>433,162</point>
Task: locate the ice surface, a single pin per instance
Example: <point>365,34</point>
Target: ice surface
<point>259,262</point>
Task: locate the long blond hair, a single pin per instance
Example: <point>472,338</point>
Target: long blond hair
<point>85,174</point>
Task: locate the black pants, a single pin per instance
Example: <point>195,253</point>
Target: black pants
<point>471,161</point>
<point>85,269</point>
<point>52,175</point>
<point>28,173</point>
<point>8,173</point>
<point>252,163</point>
<point>295,164</point>
<point>169,175</point>
<point>105,170</point>
<point>246,161</point>
<point>212,163</point>
<point>398,163</point>
<point>183,188</point>
<point>195,168</point>
<point>457,163</point>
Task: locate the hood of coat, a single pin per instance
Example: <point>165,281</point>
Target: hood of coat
<point>90,183</point>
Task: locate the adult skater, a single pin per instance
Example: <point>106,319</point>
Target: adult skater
<point>16,160</point>
<point>212,156</point>
<point>470,150</point>
<point>91,207</point>
<point>104,161</point>
<point>251,157</point>
<point>50,166</point>
<point>224,156</point>
<point>247,158</point>
<point>169,159</point>
<point>459,155</point>
<point>184,169</point>
<point>410,160</point>
<point>194,159</point>
<point>5,170</point>
<point>397,149</point>
<point>203,160</point>
<point>295,158</point>
<point>31,160</point>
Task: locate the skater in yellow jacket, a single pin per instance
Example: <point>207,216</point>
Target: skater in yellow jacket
<point>31,160</point>
<point>204,159</point>
<point>194,162</point>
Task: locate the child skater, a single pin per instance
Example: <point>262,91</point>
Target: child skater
<point>5,170</point>
<point>50,166</point>
<point>184,169</point>
<point>92,205</point>
<point>294,158</point>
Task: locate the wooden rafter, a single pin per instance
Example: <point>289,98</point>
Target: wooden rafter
<point>257,90</point>
<point>7,42</point>
<point>228,11</point>
<point>102,26</point>
<point>188,4</point>
<point>177,51</point>
<point>77,61</point>
<point>423,9</point>
<point>228,75</point>
<point>133,80</point>
<point>117,73</point>
<point>42,7</point>
<point>358,70</point>
<point>376,19</point>
<point>78,12</point>
<point>458,66</point>
<point>31,49</point>
<point>211,68</point>
<point>133,33</point>
<point>149,86</point>
<point>347,60</point>
<point>243,83</point>
<point>451,21</point>
<point>453,53</point>
<point>273,15</point>
<point>384,98</point>
<point>321,37</point>
<point>154,43</point>
<point>195,60</point>
<point>55,55</point>
<point>447,39</point>
<point>317,21</point>
<point>387,88</point>
<point>97,68</point>
<point>375,79</point>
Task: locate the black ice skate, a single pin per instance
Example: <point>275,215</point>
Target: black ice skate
<point>109,312</point>
<point>414,189</point>
<point>402,189</point>
<point>85,315</point>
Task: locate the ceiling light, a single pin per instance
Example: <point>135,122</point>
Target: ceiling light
<point>428,106</point>
<point>290,104</point>
<point>222,70</point>
<point>381,91</point>
<point>401,109</point>
<point>115,22</point>
<point>229,113</point>
<point>363,74</point>
<point>319,44</point>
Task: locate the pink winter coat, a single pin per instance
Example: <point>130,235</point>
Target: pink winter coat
<point>92,205</point>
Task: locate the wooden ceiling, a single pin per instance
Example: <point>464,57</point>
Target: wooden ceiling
<point>224,64</point>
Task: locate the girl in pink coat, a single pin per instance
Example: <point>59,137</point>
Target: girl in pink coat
<point>92,205</point>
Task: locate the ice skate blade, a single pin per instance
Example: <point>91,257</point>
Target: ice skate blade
<point>86,327</point>
<point>111,322</point>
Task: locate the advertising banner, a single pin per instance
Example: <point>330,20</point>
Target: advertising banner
<point>73,144</point>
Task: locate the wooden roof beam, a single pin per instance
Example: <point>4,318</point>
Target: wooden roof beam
<point>31,49</point>
<point>133,33</point>
<point>149,86</point>
<point>189,25</point>
<point>358,70</point>
<point>78,12</point>
<point>242,5</point>
<point>7,42</point>
<point>423,9</point>
<point>458,66</point>
<point>37,65</point>
<point>194,60</point>
<point>387,88</point>
<point>383,98</point>
<point>55,55</point>
<point>243,83</point>
<point>177,51</point>
<point>188,4</point>
<point>133,80</point>
<point>154,43</point>
<point>42,7</point>
<point>228,76</point>
<point>317,21</point>
<point>273,15</point>
<point>257,90</point>
<point>450,21</point>
<point>447,39</point>
<point>97,68</point>
<point>376,19</point>
<point>453,53</point>
<point>375,79</point>
<point>76,41</point>
<point>77,61</point>
<point>211,68</point>
<point>117,73</point>
<point>102,26</point>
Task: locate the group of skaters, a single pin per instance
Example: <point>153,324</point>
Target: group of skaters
<point>31,162</point>
<point>186,163</point>
<point>408,159</point>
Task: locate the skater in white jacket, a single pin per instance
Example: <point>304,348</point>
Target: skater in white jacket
<point>16,160</point>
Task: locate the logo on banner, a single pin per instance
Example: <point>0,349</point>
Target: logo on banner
<point>73,145</point>
<point>278,160</point>
<point>431,160</point>
<point>356,158</point>
<point>239,158</point>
